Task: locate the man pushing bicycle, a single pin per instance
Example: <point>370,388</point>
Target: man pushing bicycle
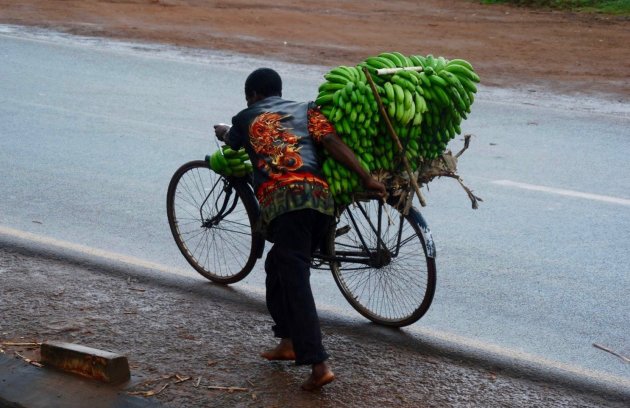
<point>282,139</point>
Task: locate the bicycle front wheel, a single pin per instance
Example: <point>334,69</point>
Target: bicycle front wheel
<point>381,264</point>
<point>212,221</point>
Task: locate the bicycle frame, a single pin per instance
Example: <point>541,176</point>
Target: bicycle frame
<point>380,256</point>
<point>221,213</point>
<point>367,256</point>
<point>374,257</point>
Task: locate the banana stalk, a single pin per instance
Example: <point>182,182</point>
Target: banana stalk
<point>394,136</point>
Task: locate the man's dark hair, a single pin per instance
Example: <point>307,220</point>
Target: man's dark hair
<point>265,82</point>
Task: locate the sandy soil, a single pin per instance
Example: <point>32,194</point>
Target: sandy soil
<point>523,48</point>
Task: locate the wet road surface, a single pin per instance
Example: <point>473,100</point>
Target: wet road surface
<point>90,135</point>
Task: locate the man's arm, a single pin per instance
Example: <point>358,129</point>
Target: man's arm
<point>339,151</point>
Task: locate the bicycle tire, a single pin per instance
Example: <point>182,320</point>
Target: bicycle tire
<point>223,250</point>
<point>396,294</point>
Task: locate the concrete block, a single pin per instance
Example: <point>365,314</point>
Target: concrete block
<point>88,362</point>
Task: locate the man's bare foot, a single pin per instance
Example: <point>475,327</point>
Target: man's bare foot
<point>320,376</point>
<point>283,351</point>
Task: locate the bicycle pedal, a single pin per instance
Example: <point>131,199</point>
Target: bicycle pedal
<point>341,231</point>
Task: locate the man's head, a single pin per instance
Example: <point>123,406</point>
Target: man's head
<point>262,83</point>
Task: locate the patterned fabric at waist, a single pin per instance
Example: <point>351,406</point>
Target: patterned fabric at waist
<point>281,197</point>
<point>266,189</point>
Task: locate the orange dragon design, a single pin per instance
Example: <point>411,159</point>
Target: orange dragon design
<point>272,140</point>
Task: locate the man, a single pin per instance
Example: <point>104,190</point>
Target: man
<point>282,139</point>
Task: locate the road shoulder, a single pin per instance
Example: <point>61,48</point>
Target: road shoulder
<point>172,329</point>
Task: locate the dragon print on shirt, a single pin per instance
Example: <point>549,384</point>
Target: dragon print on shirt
<point>275,144</point>
<point>284,140</point>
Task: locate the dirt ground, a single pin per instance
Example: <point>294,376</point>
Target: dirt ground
<point>212,335</point>
<point>561,51</point>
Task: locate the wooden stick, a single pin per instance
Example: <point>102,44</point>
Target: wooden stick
<point>215,362</point>
<point>466,144</point>
<point>385,71</point>
<point>181,379</point>
<point>216,387</point>
<point>149,393</point>
<point>29,361</point>
<point>624,358</point>
<point>394,136</point>
<point>8,343</point>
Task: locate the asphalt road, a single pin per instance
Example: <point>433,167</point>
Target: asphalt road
<point>91,132</point>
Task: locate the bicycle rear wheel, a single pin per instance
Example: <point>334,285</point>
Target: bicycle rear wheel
<point>390,280</point>
<point>212,221</point>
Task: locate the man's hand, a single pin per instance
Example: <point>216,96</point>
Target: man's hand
<point>221,130</point>
<point>371,184</point>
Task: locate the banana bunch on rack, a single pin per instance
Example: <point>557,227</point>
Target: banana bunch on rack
<point>425,98</point>
<point>229,162</point>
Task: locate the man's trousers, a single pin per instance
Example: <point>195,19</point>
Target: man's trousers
<point>296,235</point>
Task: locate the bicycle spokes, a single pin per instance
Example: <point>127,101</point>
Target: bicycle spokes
<point>380,264</point>
<point>211,219</point>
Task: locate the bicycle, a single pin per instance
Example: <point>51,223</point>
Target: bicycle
<point>381,253</point>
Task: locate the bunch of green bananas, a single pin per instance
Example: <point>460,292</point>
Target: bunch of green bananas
<point>425,107</point>
<point>229,162</point>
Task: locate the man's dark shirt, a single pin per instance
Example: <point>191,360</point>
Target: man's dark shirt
<point>282,138</point>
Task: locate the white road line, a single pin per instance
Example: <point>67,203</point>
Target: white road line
<point>455,341</point>
<point>451,339</point>
<point>86,250</point>
<point>559,191</point>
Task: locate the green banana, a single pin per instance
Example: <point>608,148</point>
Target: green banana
<point>391,110</point>
<point>461,62</point>
<point>380,62</point>
<point>338,79</point>
<point>342,71</point>
<point>402,60</point>
<point>420,102</point>
<point>408,99</point>
<point>436,79</point>
<point>424,78</point>
<point>458,101</point>
<point>411,76</point>
<point>467,84</point>
<point>229,162</point>
<point>440,63</point>
<point>461,70</point>
<point>389,90</point>
<point>426,109</point>
<point>459,93</point>
<point>354,97</point>
<point>330,87</point>
<point>391,57</point>
<point>399,93</point>
<point>324,99</point>
<point>403,82</point>
<point>418,60</point>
